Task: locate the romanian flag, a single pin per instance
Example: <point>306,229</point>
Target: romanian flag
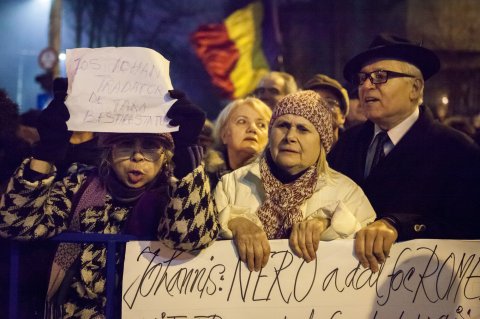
<point>232,51</point>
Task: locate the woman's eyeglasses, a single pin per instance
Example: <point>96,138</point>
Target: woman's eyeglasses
<point>377,77</point>
<point>151,149</point>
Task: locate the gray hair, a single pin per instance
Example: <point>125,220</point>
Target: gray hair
<point>409,68</point>
<point>290,83</point>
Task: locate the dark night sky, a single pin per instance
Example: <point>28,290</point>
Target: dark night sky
<point>24,30</point>
<point>310,46</point>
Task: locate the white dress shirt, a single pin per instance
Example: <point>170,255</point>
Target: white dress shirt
<point>395,135</point>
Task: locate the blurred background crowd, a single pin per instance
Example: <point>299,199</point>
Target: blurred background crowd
<point>301,37</point>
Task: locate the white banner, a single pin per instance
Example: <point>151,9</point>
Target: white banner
<point>121,89</point>
<point>421,279</point>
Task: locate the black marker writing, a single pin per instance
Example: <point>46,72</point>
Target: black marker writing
<point>123,119</point>
<point>112,86</point>
<point>181,280</point>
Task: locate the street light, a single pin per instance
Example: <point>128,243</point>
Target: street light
<point>444,100</point>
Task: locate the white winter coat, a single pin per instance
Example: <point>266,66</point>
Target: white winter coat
<point>336,197</point>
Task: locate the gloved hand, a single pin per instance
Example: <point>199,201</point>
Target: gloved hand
<point>188,116</point>
<point>52,126</point>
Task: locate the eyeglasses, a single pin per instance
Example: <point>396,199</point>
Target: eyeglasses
<point>263,90</point>
<point>331,102</point>
<point>377,77</point>
<point>151,149</point>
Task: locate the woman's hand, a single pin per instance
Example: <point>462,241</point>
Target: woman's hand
<point>188,116</point>
<point>305,237</point>
<point>52,126</point>
<point>251,241</point>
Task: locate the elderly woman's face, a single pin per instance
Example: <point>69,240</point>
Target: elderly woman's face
<point>137,161</point>
<point>294,143</point>
<point>246,131</point>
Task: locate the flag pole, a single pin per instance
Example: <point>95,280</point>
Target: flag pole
<point>277,33</point>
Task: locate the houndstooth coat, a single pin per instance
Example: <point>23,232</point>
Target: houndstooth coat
<point>42,209</point>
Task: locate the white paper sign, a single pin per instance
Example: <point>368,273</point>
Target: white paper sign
<point>422,279</point>
<point>122,89</point>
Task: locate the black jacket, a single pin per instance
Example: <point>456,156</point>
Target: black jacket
<point>429,183</point>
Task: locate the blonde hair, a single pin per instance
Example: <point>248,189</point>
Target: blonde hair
<point>224,116</point>
<point>322,164</point>
<point>411,69</point>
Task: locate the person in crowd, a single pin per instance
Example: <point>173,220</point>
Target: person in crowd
<point>142,187</point>
<point>420,176</point>
<point>335,95</point>
<point>205,139</point>
<point>240,135</point>
<point>290,191</point>
<point>12,148</point>
<point>355,114</point>
<point>441,112</point>
<point>476,125</point>
<point>461,123</point>
<point>82,149</point>
<point>83,145</point>
<point>274,86</point>
<point>12,151</point>
<point>28,126</point>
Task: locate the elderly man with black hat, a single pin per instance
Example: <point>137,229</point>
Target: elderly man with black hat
<point>420,176</point>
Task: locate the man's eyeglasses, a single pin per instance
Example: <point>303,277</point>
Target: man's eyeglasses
<point>377,77</point>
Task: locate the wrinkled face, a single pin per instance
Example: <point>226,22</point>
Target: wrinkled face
<point>137,161</point>
<point>388,104</point>
<point>334,104</point>
<point>294,143</point>
<point>270,90</point>
<point>245,132</point>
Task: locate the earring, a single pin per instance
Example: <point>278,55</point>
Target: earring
<point>168,169</point>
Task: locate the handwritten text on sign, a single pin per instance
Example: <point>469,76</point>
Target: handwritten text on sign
<point>118,90</point>
<point>421,279</point>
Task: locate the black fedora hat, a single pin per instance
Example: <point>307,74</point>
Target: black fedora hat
<point>388,46</point>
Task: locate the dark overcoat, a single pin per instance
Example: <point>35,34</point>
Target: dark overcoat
<point>429,183</point>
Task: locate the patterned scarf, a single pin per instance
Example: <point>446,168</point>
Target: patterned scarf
<point>281,208</point>
<point>93,195</point>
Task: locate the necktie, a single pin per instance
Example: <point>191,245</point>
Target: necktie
<point>379,154</point>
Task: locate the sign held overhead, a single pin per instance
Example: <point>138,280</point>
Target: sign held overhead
<point>122,89</point>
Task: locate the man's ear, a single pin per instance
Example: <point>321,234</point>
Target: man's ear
<point>417,89</point>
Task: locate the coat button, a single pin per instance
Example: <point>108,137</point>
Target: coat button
<point>419,228</point>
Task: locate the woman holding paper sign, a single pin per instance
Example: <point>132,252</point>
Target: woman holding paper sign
<point>290,192</point>
<point>135,190</point>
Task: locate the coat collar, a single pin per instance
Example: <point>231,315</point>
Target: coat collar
<point>414,138</point>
